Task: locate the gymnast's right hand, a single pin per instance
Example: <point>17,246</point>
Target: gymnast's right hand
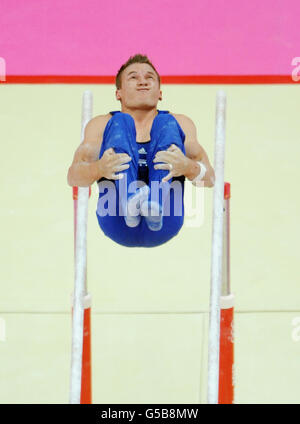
<point>111,163</point>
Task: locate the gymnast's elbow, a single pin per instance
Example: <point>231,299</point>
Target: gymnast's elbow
<point>209,179</point>
<point>75,179</point>
<point>69,178</point>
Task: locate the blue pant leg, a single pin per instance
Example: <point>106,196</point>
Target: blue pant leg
<point>165,132</point>
<point>119,134</point>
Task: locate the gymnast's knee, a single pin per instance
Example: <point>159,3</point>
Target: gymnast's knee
<point>123,117</point>
<point>177,136</point>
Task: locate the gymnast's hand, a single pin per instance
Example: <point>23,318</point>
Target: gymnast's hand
<point>174,160</point>
<point>112,162</point>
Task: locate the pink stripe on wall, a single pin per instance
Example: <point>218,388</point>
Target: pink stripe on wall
<point>181,37</point>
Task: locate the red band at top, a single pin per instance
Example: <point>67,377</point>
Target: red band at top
<point>227,191</point>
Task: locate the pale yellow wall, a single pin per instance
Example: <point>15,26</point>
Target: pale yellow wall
<point>150,306</point>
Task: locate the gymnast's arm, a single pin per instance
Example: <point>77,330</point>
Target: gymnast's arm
<point>85,168</point>
<point>195,153</point>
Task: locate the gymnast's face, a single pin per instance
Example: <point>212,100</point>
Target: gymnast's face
<point>140,87</point>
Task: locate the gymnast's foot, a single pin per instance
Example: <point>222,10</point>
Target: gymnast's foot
<point>153,215</point>
<point>133,217</point>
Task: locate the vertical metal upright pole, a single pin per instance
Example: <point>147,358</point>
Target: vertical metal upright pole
<point>216,252</point>
<point>80,269</point>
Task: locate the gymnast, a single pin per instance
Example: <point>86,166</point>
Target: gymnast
<point>140,157</point>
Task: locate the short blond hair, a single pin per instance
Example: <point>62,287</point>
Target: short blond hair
<point>138,58</point>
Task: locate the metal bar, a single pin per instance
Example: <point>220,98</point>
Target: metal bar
<point>226,243</point>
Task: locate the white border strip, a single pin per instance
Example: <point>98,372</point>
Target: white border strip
<point>87,301</point>
<point>227,302</point>
<point>216,253</point>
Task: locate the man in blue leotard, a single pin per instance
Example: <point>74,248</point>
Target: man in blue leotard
<point>142,164</point>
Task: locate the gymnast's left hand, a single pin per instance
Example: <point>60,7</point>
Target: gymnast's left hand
<point>172,156</point>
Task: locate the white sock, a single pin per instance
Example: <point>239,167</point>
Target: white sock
<point>133,216</point>
<point>135,201</point>
<point>153,215</point>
